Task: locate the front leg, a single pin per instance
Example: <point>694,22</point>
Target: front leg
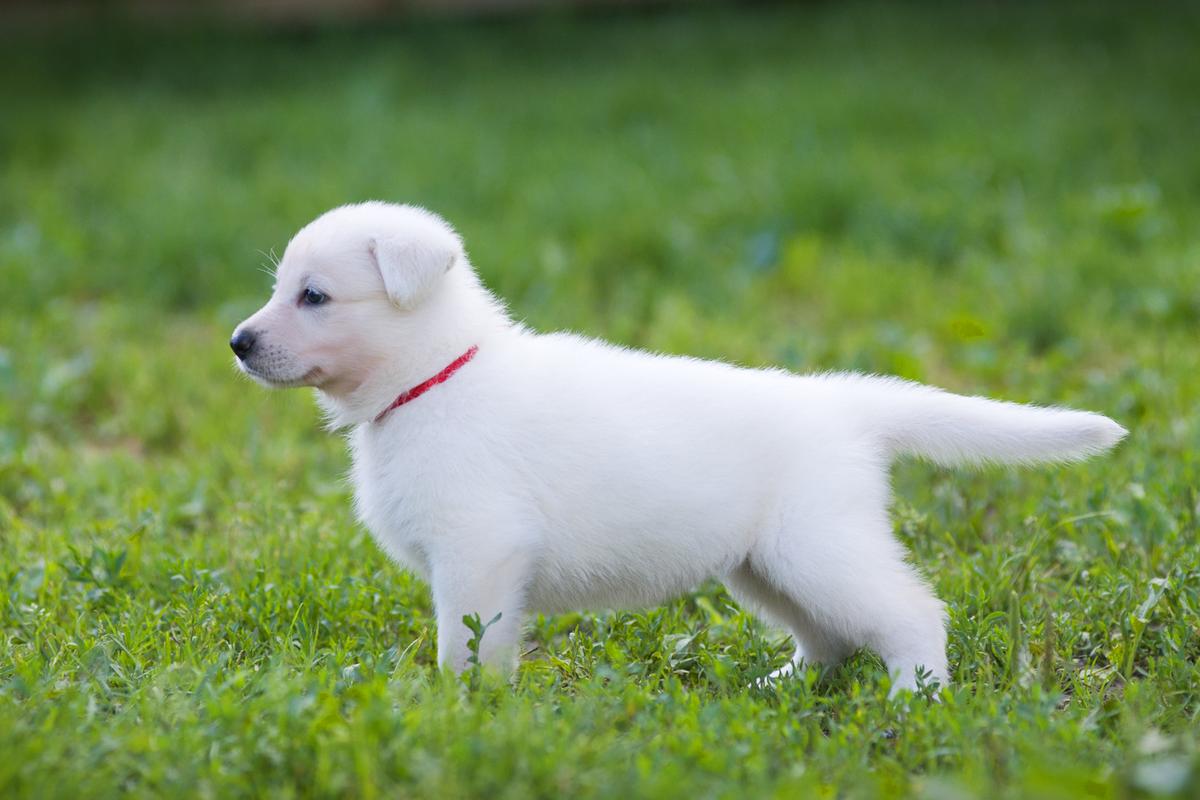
<point>478,582</point>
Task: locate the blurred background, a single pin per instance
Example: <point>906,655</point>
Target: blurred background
<point>621,166</point>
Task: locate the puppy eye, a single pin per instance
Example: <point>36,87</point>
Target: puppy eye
<point>312,297</point>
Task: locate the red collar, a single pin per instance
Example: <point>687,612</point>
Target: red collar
<point>409,395</point>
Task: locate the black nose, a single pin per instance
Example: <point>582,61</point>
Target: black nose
<point>242,343</point>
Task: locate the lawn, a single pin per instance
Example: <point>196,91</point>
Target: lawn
<point>995,198</point>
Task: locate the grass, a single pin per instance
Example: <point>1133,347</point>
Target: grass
<point>994,198</point>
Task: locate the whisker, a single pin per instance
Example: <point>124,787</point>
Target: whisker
<point>272,267</point>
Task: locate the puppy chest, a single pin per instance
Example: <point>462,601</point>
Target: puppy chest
<point>393,498</point>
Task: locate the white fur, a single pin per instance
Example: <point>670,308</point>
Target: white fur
<point>555,472</point>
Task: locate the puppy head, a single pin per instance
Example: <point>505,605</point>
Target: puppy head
<point>344,287</point>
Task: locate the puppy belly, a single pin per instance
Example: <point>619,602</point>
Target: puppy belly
<point>629,582</point>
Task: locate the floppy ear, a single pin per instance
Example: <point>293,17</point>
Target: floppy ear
<point>411,269</point>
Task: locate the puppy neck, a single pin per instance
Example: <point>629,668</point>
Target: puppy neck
<point>459,315</point>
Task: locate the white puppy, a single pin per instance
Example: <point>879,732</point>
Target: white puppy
<point>519,472</point>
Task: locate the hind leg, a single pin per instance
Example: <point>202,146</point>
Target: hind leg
<point>914,640</point>
<point>814,646</point>
<point>843,582</point>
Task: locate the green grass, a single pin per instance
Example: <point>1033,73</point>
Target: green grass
<point>994,198</point>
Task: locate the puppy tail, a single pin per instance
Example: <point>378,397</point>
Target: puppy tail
<point>950,429</point>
